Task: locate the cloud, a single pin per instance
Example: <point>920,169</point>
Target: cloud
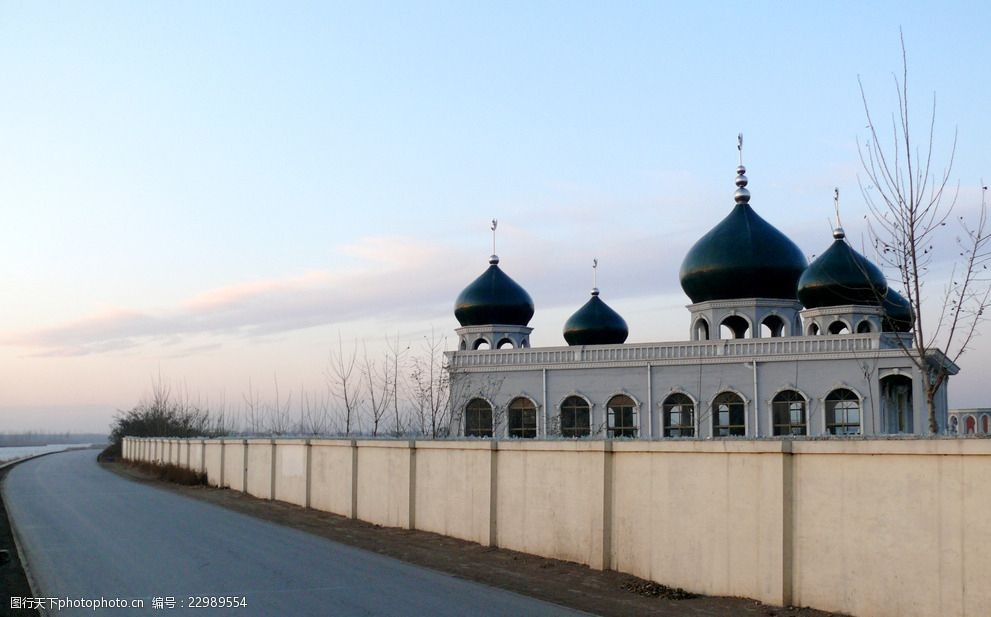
<point>416,280</point>
<point>392,274</point>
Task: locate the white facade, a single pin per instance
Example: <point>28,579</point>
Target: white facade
<point>887,391</point>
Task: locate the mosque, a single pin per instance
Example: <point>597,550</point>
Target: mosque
<point>777,347</point>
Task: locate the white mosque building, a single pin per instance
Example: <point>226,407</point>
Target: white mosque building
<point>816,349</point>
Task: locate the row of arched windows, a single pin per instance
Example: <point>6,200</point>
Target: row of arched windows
<point>971,424</point>
<point>575,418</point>
<point>789,411</point>
<point>773,326</point>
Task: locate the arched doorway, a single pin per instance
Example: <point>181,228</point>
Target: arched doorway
<point>896,404</point>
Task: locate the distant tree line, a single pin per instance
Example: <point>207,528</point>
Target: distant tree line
<point>39,438</point>
<point>401,391</point>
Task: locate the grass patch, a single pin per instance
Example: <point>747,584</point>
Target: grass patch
<point>171,473</point>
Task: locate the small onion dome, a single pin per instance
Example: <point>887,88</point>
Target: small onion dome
<point>493,298</point>
<point>595,324</point>
<point>898,315</point>
<point>841,276</point>
<point>743,256</point>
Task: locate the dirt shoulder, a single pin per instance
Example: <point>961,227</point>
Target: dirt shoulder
<point>569,584</point>
<point>13,581</point>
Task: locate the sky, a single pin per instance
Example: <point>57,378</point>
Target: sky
<point>215,194</point>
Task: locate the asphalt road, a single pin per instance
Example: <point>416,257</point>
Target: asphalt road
<point>89,534</point>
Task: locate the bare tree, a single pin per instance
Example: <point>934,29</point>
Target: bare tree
<point>313,414</point>
<point>395,358</point>
<point>377,387</point>
<point>910,200</point>
<point>430,387</point>
<point>279,415</point>
<point>345,385</point>
<point>254,416</point>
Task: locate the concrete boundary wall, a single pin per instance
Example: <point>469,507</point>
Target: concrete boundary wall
<point>886,528</point>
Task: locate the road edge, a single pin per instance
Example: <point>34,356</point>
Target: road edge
<point>5,469</point>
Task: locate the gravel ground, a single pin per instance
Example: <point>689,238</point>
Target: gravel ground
<point>565,583</point>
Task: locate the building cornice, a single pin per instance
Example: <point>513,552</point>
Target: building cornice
<point>780,349</point>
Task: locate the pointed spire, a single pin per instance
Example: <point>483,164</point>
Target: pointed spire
<point>494,259</point>
<point>838,232</point>
<point>742,195</point>
<point>595,267</point>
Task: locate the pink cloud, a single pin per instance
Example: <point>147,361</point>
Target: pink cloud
<point>394,274</point>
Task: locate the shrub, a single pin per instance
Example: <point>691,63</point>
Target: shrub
<point>162,416</point>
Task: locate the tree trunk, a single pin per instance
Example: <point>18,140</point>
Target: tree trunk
<point>931,406</point>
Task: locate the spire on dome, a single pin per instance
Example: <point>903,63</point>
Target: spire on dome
<point>494,259</point>
<point>742,194</point>
<point>838,232</point>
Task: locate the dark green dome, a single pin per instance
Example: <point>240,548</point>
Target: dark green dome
<point>595,324</point>
<point>841,276</point>
<point>898,315</point>
<point>743,256</point>
<point>493,298</point>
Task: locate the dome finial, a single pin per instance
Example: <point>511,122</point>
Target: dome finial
<point>838,232</point>
<point>742,195</point>
<point>595,267</point>
<point>495,258</point>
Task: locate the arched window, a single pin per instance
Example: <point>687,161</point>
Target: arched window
<point>954,422</point>
<point>842,413</point>
<point>772,326</point>
<point>970,425</point>
<point>505,344</point>
<point>481,344</point>
<point>984,424</point>
<point>464,346</point>
<point>728,415</point>
<point>478,418</point>
<point>575,417</point>
<point>701,330</point>
<point>814,329</point>
<point>522,418</point>
<point>734,326</point>
<point>838,327</point>
<point>679,416</point>
<point>864,327</point>
<point>621,418</point>
<point>789,411</point>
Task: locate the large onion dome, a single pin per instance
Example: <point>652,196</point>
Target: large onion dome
<point>898,315</point>
<point>743,256</point>
<point>493,298</point>
<point>841,276</point>
<point>595,324</point>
